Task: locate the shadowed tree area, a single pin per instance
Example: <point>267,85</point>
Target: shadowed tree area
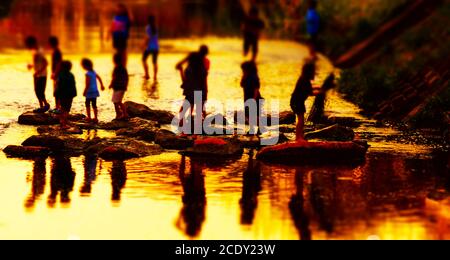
<point>5,6</point>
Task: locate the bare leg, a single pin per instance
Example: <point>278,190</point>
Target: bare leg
<point>155,71</point>
<point>147,75</point>
<point>124,110</point>
<point>95,114</point>
<point>118,112</point>
<point>255,50</point>
<point>63,120</point>
<point>88,111</point>
<point>300,135</point>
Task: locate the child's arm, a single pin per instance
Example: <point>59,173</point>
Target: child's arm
<point>88,80</point>
<point>179,67</point>
<point>101,82</point>
<point>113,79</point>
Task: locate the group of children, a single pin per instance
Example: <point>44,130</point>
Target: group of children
<point>65,89</point>
<point>194,70</point>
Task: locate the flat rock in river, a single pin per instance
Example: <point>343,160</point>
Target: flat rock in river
<point>323,153</point>
<point>30,118</point>
<point>143,111</point>
<point>121,149</point>
<point>332,133</point>
<point>171,141</point>
<point>216,148</point>
<point>26,152</point>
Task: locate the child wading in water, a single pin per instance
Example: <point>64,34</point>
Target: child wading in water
<point>251,84</point>
<point>91,91</point>
<point>119,84</point>
<point>66,91</point>
<point>57,58</point>
<point>39,65</point>
<point>152,48</point>
<point>195,79</point>
<point>252,28</point>
<point>302,91</point>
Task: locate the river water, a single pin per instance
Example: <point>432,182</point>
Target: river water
<point>401,192</point>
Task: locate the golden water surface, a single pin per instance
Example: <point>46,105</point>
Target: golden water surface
<point>400,193</point>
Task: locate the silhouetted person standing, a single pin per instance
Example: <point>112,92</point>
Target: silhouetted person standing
<point>151,48</point>
<point>313,24</point>
<point>120,30</point>
<point>252,28</point>
<point>57,59</point>
<point>251,84</point>
<point>39,66</point>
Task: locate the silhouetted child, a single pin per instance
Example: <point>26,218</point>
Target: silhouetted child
<point>302,91</point>
<point>195,76</point>
<point>120,30</point>
<point>152,48</point>
<point>313,24</point>
<point>91,91</point>
<point>57,58</point>
<point>252,28</point>
<point>39,65</point>
<point>251,84</point>
<point>66,91</point>
<point>120,85</point>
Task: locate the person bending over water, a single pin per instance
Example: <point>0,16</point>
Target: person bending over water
<point>302,91</point>
<point>195,78</point>
<point>65,92</point>
<point>119,84</point>
<point>39,65</point>
<point>91,91</point>
<point>151,48</point>
<point>252,28</point>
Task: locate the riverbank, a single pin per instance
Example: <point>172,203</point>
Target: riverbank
<point>407,81</point>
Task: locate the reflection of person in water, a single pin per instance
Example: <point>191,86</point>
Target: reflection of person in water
<point>323,198</point>
<point>38,182</point>
<point>251,188</point>
<point>151,89</point>
<point>296,206</point>
<point>62,180</point>
<point>90,174</point>
<point>118,179</point>
<point>192,214</point>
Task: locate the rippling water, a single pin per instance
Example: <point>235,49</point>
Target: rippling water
<point>400,193</point>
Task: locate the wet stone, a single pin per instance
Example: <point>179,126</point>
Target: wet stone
<point>332,133</point>
<point>143,111</point>
<point>121,149</point>
<point>169,140</point>
<point>26,152</point>
<point>216,148</point>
